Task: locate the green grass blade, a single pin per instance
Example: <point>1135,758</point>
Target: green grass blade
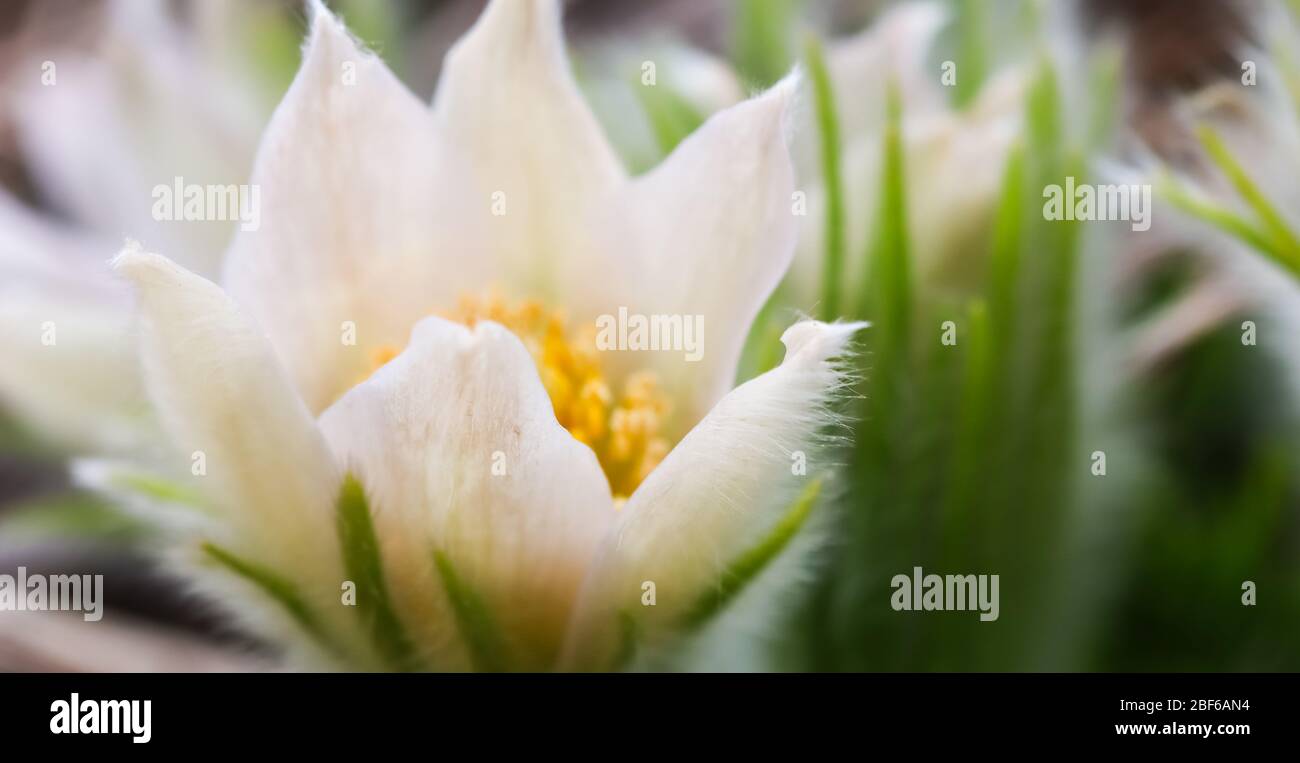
<point>363,566</point>
<point>972,50</point>
<point>672,118</point>
<point>1043,123</point>
<point>889,288</point>
<point>1104,90</point>
<point>746,567</point>
<point>1004,259</point>
<point>474,620</point>
<point>1288,246</point>
<point>1224,219</point>
<point>828,133</point>
<point>761,46</point>
<point>971,446</point>
<point>155,488</point>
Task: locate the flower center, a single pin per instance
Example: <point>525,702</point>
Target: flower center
<point>625,430</point>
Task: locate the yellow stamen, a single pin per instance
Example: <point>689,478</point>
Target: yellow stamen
<point>625,429</point>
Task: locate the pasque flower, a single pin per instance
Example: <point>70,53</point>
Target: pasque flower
<point>91,124</point>
<point>407,451</point>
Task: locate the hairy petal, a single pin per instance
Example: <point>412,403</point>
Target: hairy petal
<point>356,227</point>
<point>708,233</point>
<point>138,111</point>
<point>539,160</point>
<point>718,493</point>
<point>227,404</point>
<point>461,455</point>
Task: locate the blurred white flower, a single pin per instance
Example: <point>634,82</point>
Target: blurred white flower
<point>150,101</point>
<point>1256,128</point>
<point>954,160</point>
<point>500,495</point>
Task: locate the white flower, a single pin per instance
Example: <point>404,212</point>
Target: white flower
<point>471,486</point>
<point>1258,128</point>
<point>148,101</point>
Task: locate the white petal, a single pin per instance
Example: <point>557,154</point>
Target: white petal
<point>221,392</point>
<point>352,215</point>
<point>69,371</point>
<point>709,233</point>
<point>895,47</point>
<point>136,112</point>
<point>507,102</point>
<point>161,501</point>
<point>721,489</point>
<point>459,449</point>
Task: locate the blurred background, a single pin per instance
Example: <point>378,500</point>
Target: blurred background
<point>1174,352</point>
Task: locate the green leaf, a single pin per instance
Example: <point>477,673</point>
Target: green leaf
<point>972,442</point>
<point>1287,246</point>
<point>1044,128</point>
<point>761,46</point>
<point>672,118</point>
<point>1104,89</point>
<point>745,568</point>
<point>475,621</point>
<point>1004,260</point>
<point>379,25</point>
<point>155,488</point>
<point>972,53</point>
<point>272,584</point>
<point>888,290</point>
<point>828,133</point>
<point>363,566</point>
<point>1222,218</point>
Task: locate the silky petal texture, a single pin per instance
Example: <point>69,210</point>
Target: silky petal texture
<point>507,102</point>
<point>724,486</point>
<point>353,214</point>
<point>709,233</point>
<point>429,435</point>
<point>138,112</point>
<point>219,390</point>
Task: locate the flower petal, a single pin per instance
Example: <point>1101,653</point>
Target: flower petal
<point>459,450</point>
<point>708,233</point>
<point>894,47</point>
<point>221,393</point>
<point>69,370</point>
<point>137,112</point>
<point>352,211</point>
<point>508,103</point>
<point>724,487</point>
